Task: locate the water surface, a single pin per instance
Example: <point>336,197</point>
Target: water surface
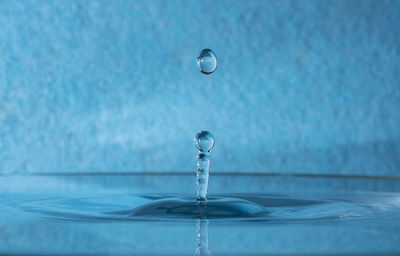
<point>139,214</point>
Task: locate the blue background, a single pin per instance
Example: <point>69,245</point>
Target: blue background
<point>107,86</point>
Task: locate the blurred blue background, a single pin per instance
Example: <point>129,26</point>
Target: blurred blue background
<point>113,86</point>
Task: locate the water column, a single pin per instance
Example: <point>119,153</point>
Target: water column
<point>204,142</point>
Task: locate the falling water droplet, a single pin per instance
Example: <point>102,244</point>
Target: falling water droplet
<point>204,142</point>
<point>207,61</point>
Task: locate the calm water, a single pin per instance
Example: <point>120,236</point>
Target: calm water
<point>159,215</point>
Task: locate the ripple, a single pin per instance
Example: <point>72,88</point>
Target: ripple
<point>246,208</point>
<point>189,208</point>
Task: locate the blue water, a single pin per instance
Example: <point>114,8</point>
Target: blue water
<point>150,215</point>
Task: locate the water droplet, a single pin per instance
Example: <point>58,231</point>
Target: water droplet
<point>204,141</point>
<point>207,61</point>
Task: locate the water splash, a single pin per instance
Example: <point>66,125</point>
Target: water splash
<point>204,142</point>
<point>207,61</point>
